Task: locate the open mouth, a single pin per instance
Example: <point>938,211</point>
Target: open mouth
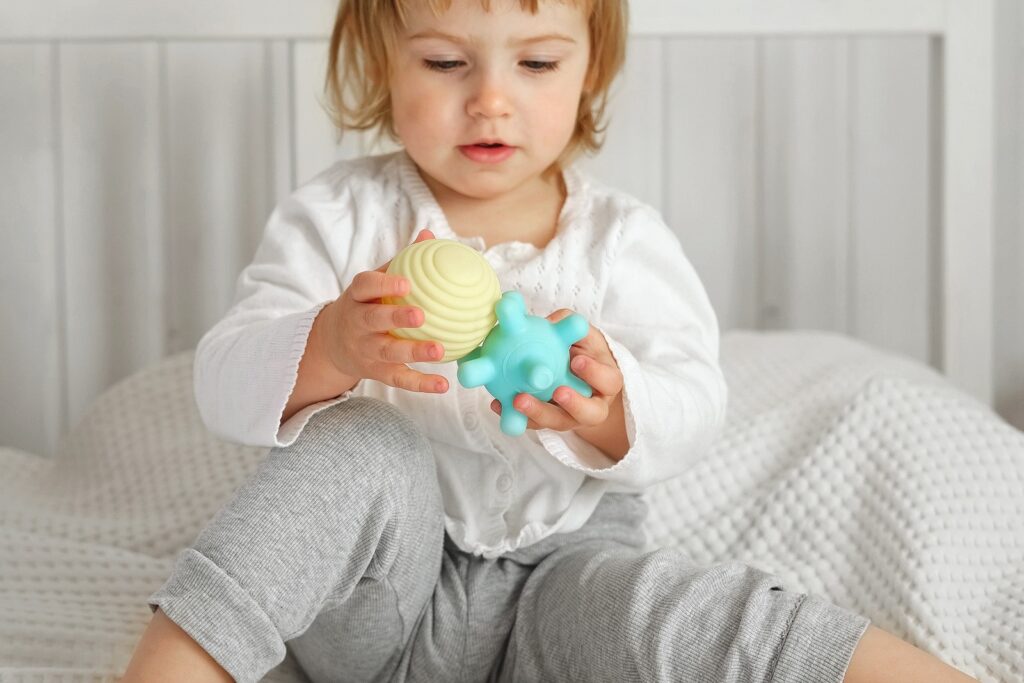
<point>488,152</point>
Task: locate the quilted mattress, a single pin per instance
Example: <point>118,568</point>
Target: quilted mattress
<point>855,474</point>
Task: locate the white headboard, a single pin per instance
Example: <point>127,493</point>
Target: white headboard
<point>158,291</point>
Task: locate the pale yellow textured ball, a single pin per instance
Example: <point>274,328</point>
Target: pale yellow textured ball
<point>457,290</point>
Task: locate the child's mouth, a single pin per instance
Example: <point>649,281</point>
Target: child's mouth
<point>487,152</point>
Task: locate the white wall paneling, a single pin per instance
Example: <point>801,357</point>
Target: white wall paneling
<point>33,377</point>
<point>892,221</point>
<point>804,197</point>
<point>192,19</point>
<point>112,191</point>
<point>1009,288</point>
<point>636,149</point>
<point>220,165</point>
<point>170,20</point>
<point>968,220</point>
<point>710,187</point>
<point>801,162</point>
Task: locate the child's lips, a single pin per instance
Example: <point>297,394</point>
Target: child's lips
<point>487,155</point>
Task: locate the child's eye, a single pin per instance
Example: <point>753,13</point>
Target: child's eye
<point>442,65</point>
<point>448,65</point>
<point>534,65</point>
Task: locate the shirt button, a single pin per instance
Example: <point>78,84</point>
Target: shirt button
<point>504,483</point>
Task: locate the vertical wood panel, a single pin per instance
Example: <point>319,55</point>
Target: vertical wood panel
<point>804,180</point>
<point>968,203</point>
<point>890,186</point>
<point>110,128</point>
<point>30,310</point>
<point>631,158</point>
<point>219,186</point>
<point>279,104</point>
<point>316,145</point>
<point>711,142</point>
<point>1009,287</point>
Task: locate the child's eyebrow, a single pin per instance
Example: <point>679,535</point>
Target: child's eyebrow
<point>434,33</point>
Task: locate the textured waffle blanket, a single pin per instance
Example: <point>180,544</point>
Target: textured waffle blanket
<point>854,474</point>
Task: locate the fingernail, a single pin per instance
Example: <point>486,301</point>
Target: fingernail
<point>436,352</point>
<point>578,363</point>
<point>440,385</point>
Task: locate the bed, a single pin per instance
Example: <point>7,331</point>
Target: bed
<point>855,473</point>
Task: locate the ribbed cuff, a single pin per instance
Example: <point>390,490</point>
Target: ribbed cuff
<point>819,644</point>
<point>219,615</point>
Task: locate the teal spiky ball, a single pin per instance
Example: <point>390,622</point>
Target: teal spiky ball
<point>524,354</point>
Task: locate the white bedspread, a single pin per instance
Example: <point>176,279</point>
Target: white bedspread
<point>851,473</point>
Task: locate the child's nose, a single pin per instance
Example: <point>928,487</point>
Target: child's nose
<point>489,99</point>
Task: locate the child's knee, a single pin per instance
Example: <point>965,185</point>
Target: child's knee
<point>366,435</point>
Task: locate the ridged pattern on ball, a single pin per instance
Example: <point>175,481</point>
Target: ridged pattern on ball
<point>456,288</point>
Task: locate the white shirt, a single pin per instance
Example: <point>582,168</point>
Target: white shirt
<point>612,259</point>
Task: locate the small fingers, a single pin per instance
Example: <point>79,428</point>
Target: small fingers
<point>384,317</point>
<point>542,415</point>
<point>373,285</point>
<point>384,347</point>
<point>402,377</point>
<point>496,407</point>
<point>602,378</point>
<point>560,314</point>
<point>585,411</point>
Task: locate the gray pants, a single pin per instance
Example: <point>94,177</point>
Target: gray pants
<point>336,546</point>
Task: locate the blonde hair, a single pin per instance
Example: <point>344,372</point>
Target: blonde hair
<point>364,30</point>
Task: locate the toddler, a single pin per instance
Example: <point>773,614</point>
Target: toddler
<point>393,531</point>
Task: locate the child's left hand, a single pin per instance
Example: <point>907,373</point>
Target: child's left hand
<point>591,360</point>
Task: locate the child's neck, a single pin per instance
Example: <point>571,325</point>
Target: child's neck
<point>527,214</point>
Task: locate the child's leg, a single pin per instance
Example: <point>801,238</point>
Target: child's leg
<point>603,611</point>
<point>349,516</point>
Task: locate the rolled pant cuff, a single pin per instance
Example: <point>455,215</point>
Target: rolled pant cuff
<point>819,644</point>
<point>219,615</point>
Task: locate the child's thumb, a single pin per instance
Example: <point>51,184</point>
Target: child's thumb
<point>424,234</point>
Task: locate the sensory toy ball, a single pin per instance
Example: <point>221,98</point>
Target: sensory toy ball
<point>455,287</point>
<point>523,354</point>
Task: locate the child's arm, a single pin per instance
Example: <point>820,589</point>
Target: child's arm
<point>881,657</point>
<point>246,372</point>
<point>349,341</point>
<point>167,654</point>
<point>654,353</point>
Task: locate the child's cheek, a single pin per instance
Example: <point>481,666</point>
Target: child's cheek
<point>421,117</point>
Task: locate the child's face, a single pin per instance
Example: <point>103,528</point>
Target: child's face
<point>492,86</point>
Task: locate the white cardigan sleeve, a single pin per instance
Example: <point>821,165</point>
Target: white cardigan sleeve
<point>246,365</point>
<point>664,336</point>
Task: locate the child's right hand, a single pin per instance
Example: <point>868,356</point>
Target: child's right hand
<point>356,339</point>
